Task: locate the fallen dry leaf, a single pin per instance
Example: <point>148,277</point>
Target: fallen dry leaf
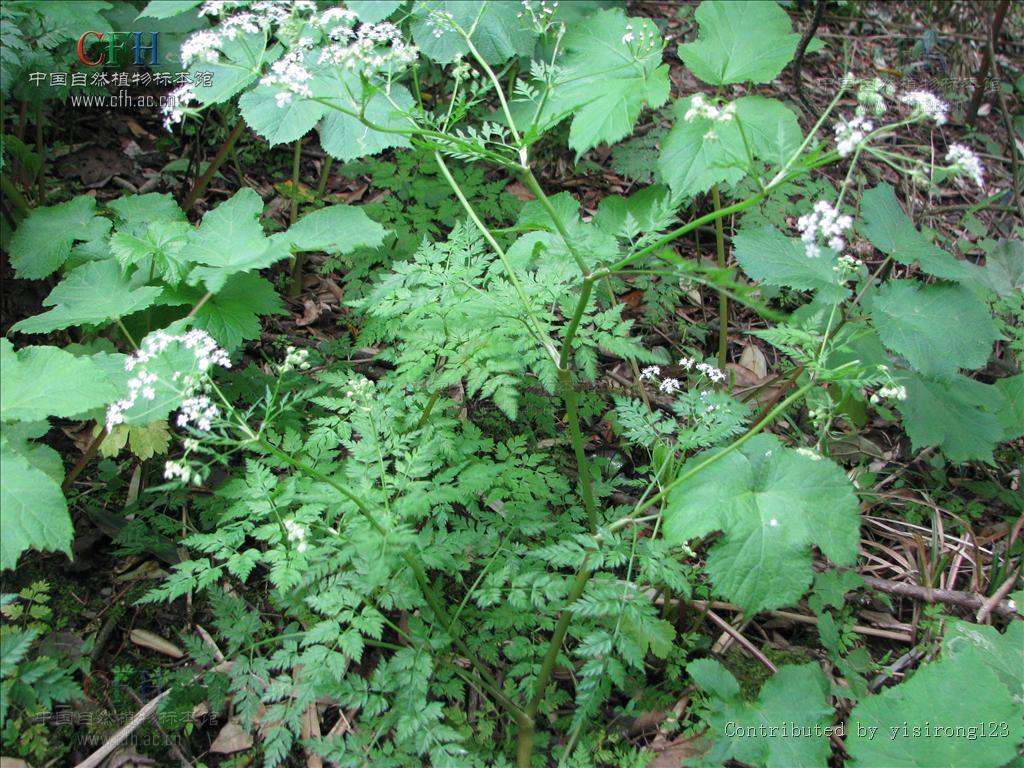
<point>146,639</point>
<point>232,738</point>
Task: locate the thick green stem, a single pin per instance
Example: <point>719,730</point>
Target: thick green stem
<point>13,195</point>
<point>41,151</point>
<point>576,435</point>
<point>723,299</point>
<point>297,259</point>
<point>534,187</point>
<point>218,160</point>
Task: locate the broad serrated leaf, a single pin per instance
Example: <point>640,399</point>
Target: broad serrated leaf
<point>42,242</point>
<point>769,256</point>
<point>47,381</point>
<point>603,81</point>
<point>875,734</point>
<point>135,213</point>
<point>1011,414</point>
<point>93,294</point>
<point>772,504</point>
<point>1004,268</point>
<point>497,29</point>
<point>20,436</point>
<point>1002,652</point>
<point>336,229</point>
<point>345,138</point>
<point>280,122</point>
<point>740,42</point>
<point>699,152</point>
<point>232,315</point>
<point>33,512</point>
<point>241,61</point>
<point>230,240</point>
<point>372,11</point>
<point>763,732</point>
<point>164,9</point>
<point>892,232</point>
<point>959,415</point>
<point>939,329</point>
<point>163,242</point>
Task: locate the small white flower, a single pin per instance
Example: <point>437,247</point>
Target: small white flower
<point>849,135</point>
<point>649,373</point>
<point>687,362</point>
<point>715,374</point>
<point>966,163</point>
<point>774,522</point>
<point>668,386</point>
<point>823,222</point>
<point>699,107</point>
<point>927,104</point>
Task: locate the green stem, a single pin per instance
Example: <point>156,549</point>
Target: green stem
<point>723,299</point>
<point>534,186</point>
<point>297,259</point>
<point>324,173</point>
<point>576,435</point>
<point>218,160</point>
<point>41,151</point>
<point>547,666</point>
<point>13,195</point>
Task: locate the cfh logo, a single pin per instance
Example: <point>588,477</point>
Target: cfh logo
<point>113,42</point>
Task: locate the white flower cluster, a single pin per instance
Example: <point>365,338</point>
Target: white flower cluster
<point>182,470</point>
<point>207,354</point>
<point>851,134</point>
<point>702,108</point>
<point>642,40</point>
<point>294,358</point>
<point>289,74</point>
<point>716,375</point>
<point>540,15</point>
<point>889,392</point>
<point>966,163</point>
<point>371,49</point>
<point>823,222</point>
<point>650,373</point>
<point>927,104</point>
<point>847,266</point>
<point>297,533</point>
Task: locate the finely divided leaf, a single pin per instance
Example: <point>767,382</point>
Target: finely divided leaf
<point>772,504</point>
<point>939,329</point>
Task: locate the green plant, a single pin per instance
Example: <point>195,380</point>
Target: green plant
<point>410,561</point>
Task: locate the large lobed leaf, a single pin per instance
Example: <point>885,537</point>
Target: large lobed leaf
<point>33,512</point>
<point>47,381</point>
<point>92,294</point>
<point>691,161</point>
<point>601,81</point>
<point>42,242</point>
<point>740,41</point>
<point>764,732</point>
<point>498,30</point>
<point>939,329</point>
<point>772,505</point>
<point>980,671</point>
<point>769,256</point>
